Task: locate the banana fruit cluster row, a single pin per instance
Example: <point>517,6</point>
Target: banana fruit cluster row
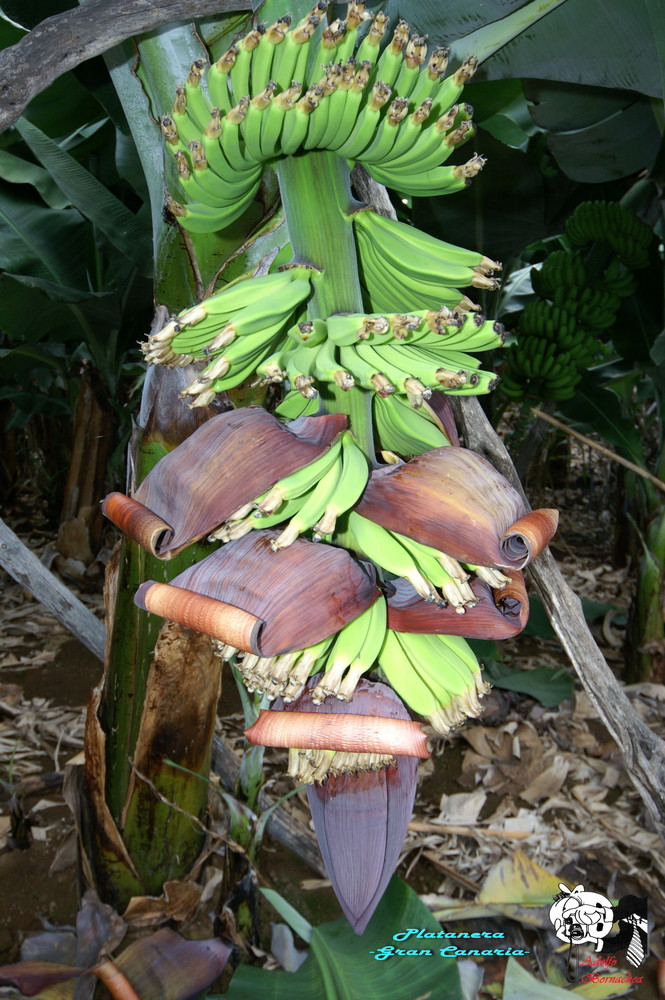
<point>282,89</point>
<point>248,328</point>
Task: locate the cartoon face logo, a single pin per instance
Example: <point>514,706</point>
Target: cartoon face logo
<point>581,917</point>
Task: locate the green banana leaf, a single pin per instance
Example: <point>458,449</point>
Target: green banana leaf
<point>219,32</point>
<point>582,41</point>
<point>343,966</point>
<point>595,135</point>
<point>594,156</point>
<point>125,231</point>
<point>548,685</point>
<point>585,41</point>
<point>19,171</point>
<point>42,243</point>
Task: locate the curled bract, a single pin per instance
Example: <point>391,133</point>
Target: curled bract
<point>229,461</point>
<point>456,502</point>
<point>529,535</point>
<point>345,732</point>
<point>499,614</point>
<point>290,599</point>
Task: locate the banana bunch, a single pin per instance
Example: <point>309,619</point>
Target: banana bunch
<point>404,353</point>
<point>310,499</point>
<point>340,660</point>
<point>611,223</point>
<point>617,279</point>
<point>435,576</point>
<point>559,325</point>
<point>232,330</point>
<point>403,430</point>
<point>285,88</point>
<point>549,353</point>
<point>560,333</point>
<point>438,676</point>
<point>562,269</point>
<point>400,264</point>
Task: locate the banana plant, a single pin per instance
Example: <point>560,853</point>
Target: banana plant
<point>362,328</point>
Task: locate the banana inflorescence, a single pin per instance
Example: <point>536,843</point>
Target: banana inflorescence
<point>381,101</point>
<point>565,328</point>
<point>284,88</point>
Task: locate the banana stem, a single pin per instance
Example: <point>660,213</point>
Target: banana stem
<point>317,200</point>
<point>316,194</point>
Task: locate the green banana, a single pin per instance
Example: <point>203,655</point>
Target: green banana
<point>409,131</point>
<point>449,143</point>
<point>350,485</point>
<point>198,105</point>
<point>328,369</point>
<point>452,86</point>
<point>218,80</point>
<point>435,181</point>
<point>290,58</point>
<point>412,383</point>
<point>378,227</point>
<point>245,308</point>
<point>236,527</point>
<point>349,112</point>
<point>318,119</point>
<point>214,154</point>
<point>311,509</point>
<point>368,652</point>
<point>299,365</point>
<point>273,119</point>
<point>418,265</point>
<point>403,677</point>
<point>231,136</point>
<point>295,124</point>
<point>364,372</point>
<point>415,54</point>
<point>390,61</point>
<point>310,333</point>
<point>387,132</point>
<point>240,69</point>
<point>306,665</point>
<point>430,76</point>
<point>348,644</point>
<point>402,429</point>
<point>253,122</point>
<point>332,111</point>
<point>199,218</point>
<point>243,353</point>
<point>388,288</point>
<point>433,564</point>
<point>451,683</point>
<point>301,481</point>
<point>369,47</point>
<point>382,547</point>
<point>365,124</point>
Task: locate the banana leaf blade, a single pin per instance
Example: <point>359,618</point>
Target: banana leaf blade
<point>343,966</point>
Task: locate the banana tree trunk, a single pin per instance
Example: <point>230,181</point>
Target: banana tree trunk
<point>151,720</point>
